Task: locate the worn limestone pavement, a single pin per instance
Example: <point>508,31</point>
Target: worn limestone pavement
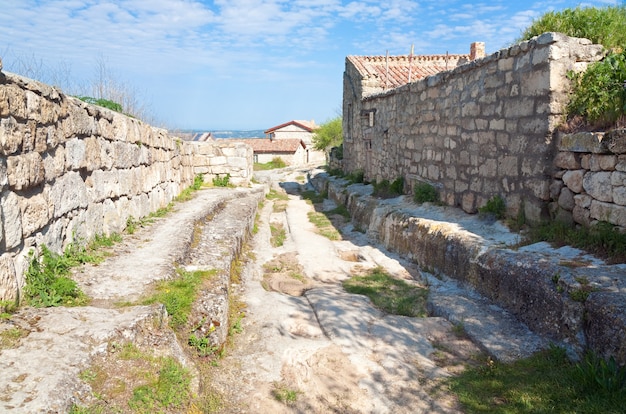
<point>341,353</point>
<point>41,374</point>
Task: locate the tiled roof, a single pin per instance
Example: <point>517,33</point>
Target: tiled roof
<point>267,146</point>
<point>393,71</point>
<point>306,125</point>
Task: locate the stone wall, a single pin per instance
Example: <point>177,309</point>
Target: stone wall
<point>590,178</point>
<point>483,129</point>
<point>70,171</point>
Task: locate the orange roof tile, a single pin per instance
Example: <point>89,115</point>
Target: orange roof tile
<point>306,125</point>
<point>267,146</point>
<point>393,71</point>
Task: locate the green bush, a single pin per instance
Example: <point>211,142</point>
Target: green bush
<point>385,189</point>
<point>425,192</point>
<point>221,181</point>
<point>601,25</point>
<point>494,206</point>
<point>599,94</point>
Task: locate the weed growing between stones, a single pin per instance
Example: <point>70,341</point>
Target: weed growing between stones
<point>178,294</point>
<point>601,239</point>
<point>495,207</point>
<point>278,234</point>
<point>324,225</point>
<point>391,295</point>
<point>384,189</point>
<point>284,394</point>
<point>9,338</point>
<point>276,162</point>
<point>147,383</point>
<point>221,181</point>
<point>313,196</point>
<point>425,192</point>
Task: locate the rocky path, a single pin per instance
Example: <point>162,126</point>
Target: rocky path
<point>303,337</point>
<point>334,350</point>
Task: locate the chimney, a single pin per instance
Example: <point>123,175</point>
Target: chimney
<point>477,50</point>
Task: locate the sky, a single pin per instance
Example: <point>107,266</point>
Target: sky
<point>243,64</point>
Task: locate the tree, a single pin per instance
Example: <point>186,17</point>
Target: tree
<point>328,135</point>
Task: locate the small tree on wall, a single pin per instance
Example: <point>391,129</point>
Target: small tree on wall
<point>328,135</point>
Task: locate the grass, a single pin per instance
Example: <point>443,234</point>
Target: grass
<point>276,162</point>
<point>278,234</point>
<point>222,181</point>
<point>324,226</point>
<point>147,384</point>
<point>545,382</point>
<point>178,294</point>
<point>391,295</point>
<point>277,195</point>
<point>313,196</point>
<point>11,337</point>
<point>284,394</point>
<point>602,240</point>
<point>187,193</point>
<point>495,207</point>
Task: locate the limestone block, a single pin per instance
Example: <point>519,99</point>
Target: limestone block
<point>581,215</point>
<point>566,160</point>
<point>619,196</point>
<point>103,185</point>
<point>508,166</point>
<point>536,82</point>
<point>111,222</point>
<point>48,136</point>
<point>468,201</point>
<point>80,123</point>
<point>93,218</point>
<point>598,185</point>
<point>602,162</point>
<point>238,162</point>
<point>566,199</point>
<point>75,154</point>
<point>582,142</point>
<point>54,163</point>
<point>36,212</point>
<point>16,102</point>
<point>615,141</point>
<point>12,219</point>
<point>11,135</point>
<point>618,178</point>
<point>4,177</point>
<point>8,279</point>
<point>583,200</point>
<point>608,212</point>
<point>123,154</point>
<point>539,188</point>
<point>25,171</point>
<point>107,154</point>
<point>621,163</point>
<point>68,193</point>
<point>574,180</point>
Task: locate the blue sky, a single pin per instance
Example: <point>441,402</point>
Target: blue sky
<point>246,64</point>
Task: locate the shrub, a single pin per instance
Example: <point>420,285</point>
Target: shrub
<point>221,181</point>
<point>425,192</point>
<point>494,206</point>
<point>384,189</point>
<point>599,94</point>
<point>105,103</point>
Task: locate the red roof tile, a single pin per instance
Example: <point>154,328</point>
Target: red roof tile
<point>267,146</point>
<point>306,125</point>
<point>393,71</point>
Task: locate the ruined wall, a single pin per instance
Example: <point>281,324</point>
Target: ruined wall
<point>483,129</point>
<point>70,171</point>
<point>590,178</point>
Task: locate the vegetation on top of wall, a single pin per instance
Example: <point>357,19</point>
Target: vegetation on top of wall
<point>601,25</point>
<point>105,103</point>
<point>599,97</point>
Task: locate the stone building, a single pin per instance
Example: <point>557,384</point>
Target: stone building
<point>290,150</point>
<point>473,126</point>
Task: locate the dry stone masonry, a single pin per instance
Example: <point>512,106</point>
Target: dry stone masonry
<point>590,178</point>
<point>70,171</point>
<point>485,128</point>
